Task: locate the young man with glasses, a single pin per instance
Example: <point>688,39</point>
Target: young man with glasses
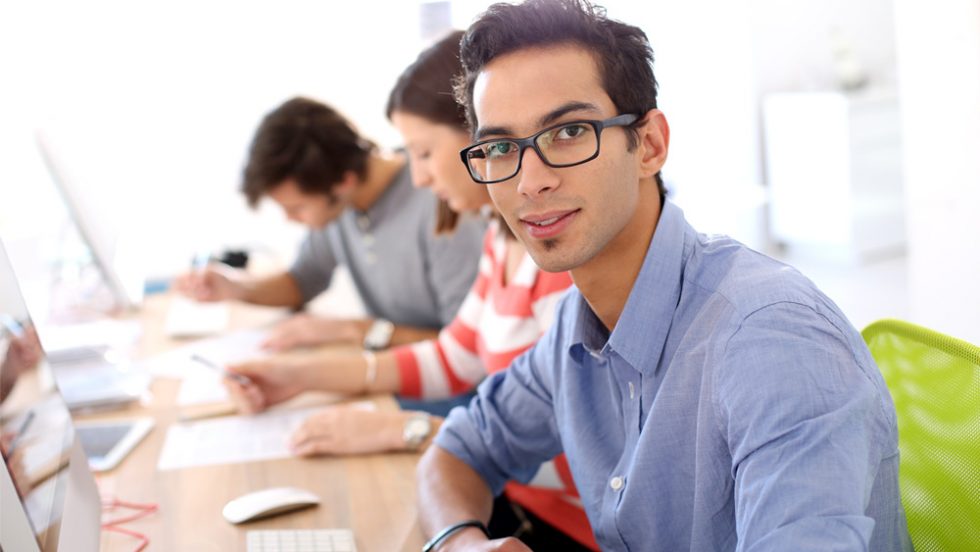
<point>707,397</point>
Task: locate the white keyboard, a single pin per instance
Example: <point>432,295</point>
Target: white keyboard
<point>300,540</point>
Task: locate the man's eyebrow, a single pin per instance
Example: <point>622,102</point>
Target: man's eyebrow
<point>491,131</point>
<point>544,121</point>
<point>565,110</point>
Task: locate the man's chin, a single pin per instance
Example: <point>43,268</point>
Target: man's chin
<point>550,257</point>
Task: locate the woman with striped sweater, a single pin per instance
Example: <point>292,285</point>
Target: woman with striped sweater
<point>509,307</point>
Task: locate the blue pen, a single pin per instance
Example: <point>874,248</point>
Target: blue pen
<point>239,378</point>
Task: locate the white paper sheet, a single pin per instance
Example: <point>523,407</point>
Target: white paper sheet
<point>202,386</point>
<point>231,347</point>
<point>231,439</point>
<point>234,439</point>
<point>109,333</point>
<point>189,318</point>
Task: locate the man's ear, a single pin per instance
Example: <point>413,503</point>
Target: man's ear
<point>347,185</point>
<point>654,141</point>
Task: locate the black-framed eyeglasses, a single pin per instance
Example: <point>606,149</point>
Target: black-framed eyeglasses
<point>563,145</point>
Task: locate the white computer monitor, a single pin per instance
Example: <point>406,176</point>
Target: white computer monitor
<point>121,274</point>
<point>48,497</point>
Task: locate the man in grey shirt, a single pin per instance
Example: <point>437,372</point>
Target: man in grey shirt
<point>364,213</point>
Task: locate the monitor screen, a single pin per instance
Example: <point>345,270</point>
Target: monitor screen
<point>114,257</point>
<point>49,496</point>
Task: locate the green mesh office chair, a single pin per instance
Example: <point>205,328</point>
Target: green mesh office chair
<point>935,383</point>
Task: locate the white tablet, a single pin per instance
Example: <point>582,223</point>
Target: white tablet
<point>107,443</point>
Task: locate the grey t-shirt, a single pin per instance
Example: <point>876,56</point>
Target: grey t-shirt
<point>402,270</point>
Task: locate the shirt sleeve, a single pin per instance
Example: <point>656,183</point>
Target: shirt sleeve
<point>509,428</point>
<point>452,264</point>
<point>449,365</point>
<point>804,424</point>
<point>314,265</point>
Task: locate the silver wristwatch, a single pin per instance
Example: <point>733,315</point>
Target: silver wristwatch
<point>378,336</point>
<point>416,431</point>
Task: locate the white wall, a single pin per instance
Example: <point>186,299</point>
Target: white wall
<point>939,74</point>
<point>152,105</point>
<point>793,42</point>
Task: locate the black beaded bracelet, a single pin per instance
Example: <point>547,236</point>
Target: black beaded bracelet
<point>442,535</point>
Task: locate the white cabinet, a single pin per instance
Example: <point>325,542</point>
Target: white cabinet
<point>834,169</point>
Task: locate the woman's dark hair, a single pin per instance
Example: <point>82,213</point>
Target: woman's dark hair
<point>622,52</point>
<point>425,89</point>
<point>308,142</point>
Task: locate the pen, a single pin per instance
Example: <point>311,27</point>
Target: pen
<point>243,380</point>
<point>201,260</point>
<point>20,432</point>
<point>11,325</point>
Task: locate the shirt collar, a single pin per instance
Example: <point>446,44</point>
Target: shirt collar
<point>641,331</point>
<point>396,194</point>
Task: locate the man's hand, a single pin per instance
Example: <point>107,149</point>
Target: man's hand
<point>349,430</point>
<point>271,381</point>
<point>304,330</point>
<point>23,353</point>
<point>211,284</point>
<point>473,540</point>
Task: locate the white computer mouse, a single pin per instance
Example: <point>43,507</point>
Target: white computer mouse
<point>267,502</point>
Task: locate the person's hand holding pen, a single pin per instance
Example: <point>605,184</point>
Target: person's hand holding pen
<point>23,351</point>
<point>207,282</point>
<point>258,384</point>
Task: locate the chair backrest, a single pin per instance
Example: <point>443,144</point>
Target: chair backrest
<point>934,381</point>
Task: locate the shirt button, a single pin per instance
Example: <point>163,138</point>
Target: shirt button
<point>370,258</point>
<point>632,391</point>
<point>616,483</point>
<point>363,222</point>
<point>368,239</point>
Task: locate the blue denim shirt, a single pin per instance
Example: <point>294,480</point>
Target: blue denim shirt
<point>733,407</point>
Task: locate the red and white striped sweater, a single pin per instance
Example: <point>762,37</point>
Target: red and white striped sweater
<point>495,324</point>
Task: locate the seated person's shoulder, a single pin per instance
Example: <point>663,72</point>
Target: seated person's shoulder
<point>771,323</point>
<point>747,294</point>
<point>749,281</point>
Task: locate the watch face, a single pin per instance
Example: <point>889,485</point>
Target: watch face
<point>378,335</point>
<point>416,430</point>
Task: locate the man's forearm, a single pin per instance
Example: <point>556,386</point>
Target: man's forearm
<point>449,492</point>
<point>280,290</point>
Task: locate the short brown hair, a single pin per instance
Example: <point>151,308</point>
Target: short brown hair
<point>622,52</point>
<point>308,142</point>
<point>425,89</point>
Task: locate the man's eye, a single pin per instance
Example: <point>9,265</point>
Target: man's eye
<point>499,149</point>
<point>571,131</point>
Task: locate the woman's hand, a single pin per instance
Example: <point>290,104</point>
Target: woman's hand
<point>269,381</point>
<point>349,429</point>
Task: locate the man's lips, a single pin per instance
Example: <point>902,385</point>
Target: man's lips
<point>549,224</point>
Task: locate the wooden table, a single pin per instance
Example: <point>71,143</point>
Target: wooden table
<point>373,495</point>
